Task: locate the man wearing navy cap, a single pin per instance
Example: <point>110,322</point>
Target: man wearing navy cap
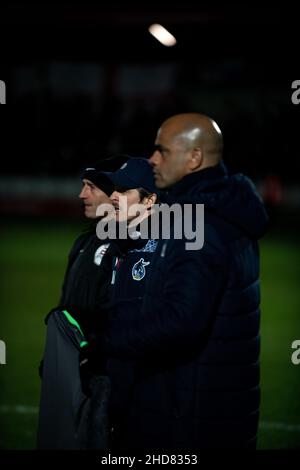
<point>195,340</point>
<point>65,406</point>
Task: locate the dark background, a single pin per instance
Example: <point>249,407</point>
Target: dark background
<point>86,80</point>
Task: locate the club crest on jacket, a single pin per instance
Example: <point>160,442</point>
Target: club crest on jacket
<point>138,269</point>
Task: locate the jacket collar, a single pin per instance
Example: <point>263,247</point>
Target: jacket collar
<point>203,179</point>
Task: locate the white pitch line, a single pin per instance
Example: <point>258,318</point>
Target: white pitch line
<point>24,409</point>
<point>19,409</point>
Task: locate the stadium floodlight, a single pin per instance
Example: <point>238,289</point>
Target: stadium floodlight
<point>162,35</point>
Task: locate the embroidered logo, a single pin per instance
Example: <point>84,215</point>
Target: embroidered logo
<point>138,269</point>
<point>99,253</point>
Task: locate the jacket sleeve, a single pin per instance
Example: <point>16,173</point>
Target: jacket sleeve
<point>177,310</point>
<point>79,242</point>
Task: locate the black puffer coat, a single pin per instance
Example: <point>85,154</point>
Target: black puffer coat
<point>194,342</point>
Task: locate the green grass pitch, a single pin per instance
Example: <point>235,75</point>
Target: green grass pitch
<point>33,259</point>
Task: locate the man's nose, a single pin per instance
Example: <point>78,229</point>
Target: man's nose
<point>154,159</point>
<point>83,193</point>
<point>115,196</point>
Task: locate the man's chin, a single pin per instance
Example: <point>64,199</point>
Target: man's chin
<point>89,213</point>
<point>160,184</point>
<point>158,181</point>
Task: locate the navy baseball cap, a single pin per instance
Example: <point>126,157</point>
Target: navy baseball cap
<point>134,173</point>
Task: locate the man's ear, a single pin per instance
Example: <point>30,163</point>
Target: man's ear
<point>196,159</point>
<point>150,200</point>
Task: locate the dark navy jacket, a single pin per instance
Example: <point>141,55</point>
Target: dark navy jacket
<point>195,339</point>
<point>131,268</point>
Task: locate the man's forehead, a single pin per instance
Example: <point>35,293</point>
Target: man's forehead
<point>168,134</point>
<point>89,182</point>
<point>165,142</point>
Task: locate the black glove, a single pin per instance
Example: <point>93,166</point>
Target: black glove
<point>71,309</point>
<point>91,363</point>
<point>74,312</point>
<point>89,321</point>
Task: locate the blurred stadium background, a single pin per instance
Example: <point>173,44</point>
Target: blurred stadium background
<point>86,81</point>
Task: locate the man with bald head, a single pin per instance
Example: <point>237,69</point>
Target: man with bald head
<point>195,341</point>
<point>185,144</point>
